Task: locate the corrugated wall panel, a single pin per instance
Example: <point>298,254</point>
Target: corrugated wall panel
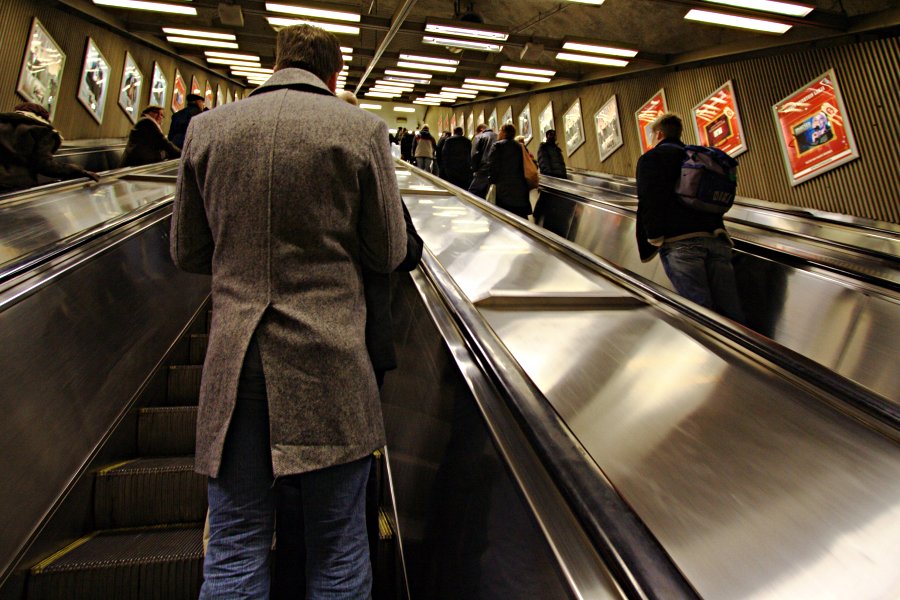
<point>868,75</point>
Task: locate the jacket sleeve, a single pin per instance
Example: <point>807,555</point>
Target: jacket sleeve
<point>413,244</point>
<point>492,161</point>
<point>191,238</point>
<point>544,165</point>
<point>477,150</point>
<point>164,145</point>
<point>381,229</point>
<point>45,164</point>
<point>653,191</point>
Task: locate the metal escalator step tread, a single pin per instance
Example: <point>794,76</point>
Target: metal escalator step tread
<point>149,491</point>
<point>136,564</point>
<point>166,430</point>
<point>199,341</point>
<point>184,384</point>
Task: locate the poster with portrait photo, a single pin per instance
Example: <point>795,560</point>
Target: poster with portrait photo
<point>492,120</point>
<point>608,128</point>
<point>573,127</point>
<point>130,90</point>
<point>470,126</point>
<point>208,95</point>
<point>814,129</point>
<point>545,121</point>
<point>717,122</point>
<point>179,92</point>
<point>507,117</point>
<point>159,87</point>
<point>525,123</point>
<point>42,68</point>
<point>652,109</point>
<point>93,86</point>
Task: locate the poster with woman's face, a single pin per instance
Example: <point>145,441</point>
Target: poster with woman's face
<point>93,87</point>
<point>130,90</point>
<point>159,87</point>
<point>42,69</point>
<point>179,93</point>
<point>525,123</point>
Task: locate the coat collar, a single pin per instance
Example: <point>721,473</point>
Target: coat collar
<point>295,79</point>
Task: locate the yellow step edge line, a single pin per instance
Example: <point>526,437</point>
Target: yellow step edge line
<point>115,466</point>
<point>39,568</point>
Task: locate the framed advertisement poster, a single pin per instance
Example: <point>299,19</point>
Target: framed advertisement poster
<point>573,127</point>
<point>525,123</point>
<point>507,116</point>
<point>220,97</point>
<point>195,86</point>
<point>179,92</point>
<point>653,109</point>
<point>42,69</point>
<point>814,129</point>
<point>452,123</point>
<point>159,87</point>
<point>718,124</point>
<point>608,128</point>
<point>208,95</point>
<point>492,120</point>
<point>130,90</point>
<point>470,125</point>
<point>480,118</point>
<point>93,87</point>
<point>545,121</point>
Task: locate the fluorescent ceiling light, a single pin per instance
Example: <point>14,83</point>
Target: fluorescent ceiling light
<point>260,70</point>
<point>380,95</point>
<point>347,57</point>
<point>414,65</point>
<point>461,31</point>
<point>212,35</point>
<point>595,60</point>
<point>490,82</point>
<point>316,13</point>
<point>523,77</point>
<point>370,106</point>
<point>481,46</point>
<point>246,57</point>
<point>332,27</point>
<point>594,2</point>
<point>407,79</point>
<point>232,62</point>
<point>404,109</point>
<point>398,84</point>
<point>726,20</point>
<point>484,88</point>
<point>178,9</point>
<point>458,90</point>
<point>407,74</point>
<point>429,59</point>
<point>426,102</point>
<point>783,8</point>
<point>389,90</point>
<point>346,50</point>
<point>597,49</point>
<point>528,70</point>
<point>200,42</point>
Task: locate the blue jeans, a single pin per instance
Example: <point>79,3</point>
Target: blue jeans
<point>242,511</point>
<point>700,269</point>
<point>423,162</point>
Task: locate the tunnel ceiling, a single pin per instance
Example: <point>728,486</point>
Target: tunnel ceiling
<point>657,29</point>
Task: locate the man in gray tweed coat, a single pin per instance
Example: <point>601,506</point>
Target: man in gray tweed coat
<point>283,213</point>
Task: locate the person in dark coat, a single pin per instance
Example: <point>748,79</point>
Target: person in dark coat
<point>507,171</point>
<point>27,144</point>
<point>550,158</point>
<point>406,146</point>
<point>455,156</point>
<point>481,148</point>
<point>146,142</point>
<point>180,120</point>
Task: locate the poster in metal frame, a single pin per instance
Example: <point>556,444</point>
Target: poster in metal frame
<point>42,69</point>
<point>717,122</point>
<point>525,123</point>
<point>608,128</point>
<point>179,92</point>
<point>652,109</point>
<point>159,86</point>
<point>573,127</point>
<point>452,123</point>
<point>195,86</point>
<point>545,121</point>
<point>492,120</point>
<point>480,118</point>
<point>220,97</point>
<point>470,125</point>
<point>814,129</point>
<point>208,96</point>
<point>131,87</point>
<point>93,85</point>
<point>507,116</point>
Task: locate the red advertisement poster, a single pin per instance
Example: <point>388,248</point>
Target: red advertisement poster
<point>654,108</point>
<point>179,94</point>
<point>718,124</point>
<point>814,129</point>
<point>452,123</point>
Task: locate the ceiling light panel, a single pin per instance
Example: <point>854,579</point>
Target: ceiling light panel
<point>370,106</point>
<point>594,2</point>
<point>523,77</point>
<point>212,35</point>
<point>315,13</point>
<point>252,70</point>
<point>726,20</point>
<point>484,88</point>
<point>491,82</point>
<point>395,84</point>
<point>232,62</point>
<point>599,49</point>
<point>177,9</point>
<point>465,45</point>
<point>380,95</point>
<point>407,74</point>
<point>332,27</point>
<point>405,109</point>
<point>201,42</point>
<point>414,65</point>
<point>528,70</point>
<point>782,8</point>
<point>429,59</point>
<point>594,60</point>
<point>244,57</point>
<point>407,80</point>
<point>465,31</point>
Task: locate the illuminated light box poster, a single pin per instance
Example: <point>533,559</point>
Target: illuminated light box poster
<point>480,118</point>
<point>452,123</point>
<point>653,109</point>
<point>608,128</point>
<point>545,121</point>
<point>461,121</point>
<point>470,126</point>
<point>525,123</point>
<point>159,87</point>
<point>717,122</point>
<point>220,97</point>
<point>42,69</point>
<point>179,92</point>
<point>93,86</point>
<point>208,96</point>
<point>492,120</point>
<point>195,86</point>
<point>130,91</point>
<point>573,127</point>
<point>814,129</point>
<point>507,116</point>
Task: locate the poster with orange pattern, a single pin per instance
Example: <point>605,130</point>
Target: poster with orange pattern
<point>718,124</point>
<point>654,108</point>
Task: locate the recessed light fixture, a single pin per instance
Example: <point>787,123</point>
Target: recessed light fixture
<point>460,92</point>
<point>595,60</point>
<point>407,74</point>
<point>232,62</point>
<point>404,109</point>
<point>245,57</point>
<point>484,88</point>
<point>191,41</point>
<point>346,50</point>
<point>528,70</point>
<point>726,20</point>
<point>407,80</point>
<point>594,2</point>
<point>465,45</point>
<point>387,88</point>
<point>491,82</point>
<point>347,57</point>
<point>315,13</point>
<point>599,49</point>
<point>460,30</point>
<point>429,59</point>
<point>332,27</point>
<point>427,102</point>
<point>782,8</point>
<point>370,106</point>
<point>253,70</point>
<point>380,95</point>
<point>212,35</point>
<point>523,77</point>
<point>414,65</point>
<point>178,9</point>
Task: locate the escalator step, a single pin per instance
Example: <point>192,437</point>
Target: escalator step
<point>166,430</point>
<point>199,342</point>
<point>149,491</point>
<point>184,384</point>
<point>149,564</point>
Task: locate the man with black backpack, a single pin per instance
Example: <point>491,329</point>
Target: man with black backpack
<point>693,245</point>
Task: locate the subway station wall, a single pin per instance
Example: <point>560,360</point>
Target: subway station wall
<point>868,75</point>
<point>71,32</point>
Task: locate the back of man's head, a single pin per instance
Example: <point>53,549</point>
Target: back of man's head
<point>35,109</point>
<point>457,131</point>
<point>310,48</point>
<point>508,131</point>
<point>481,127</point>
<point>669,124</point>
<point>195,99</point>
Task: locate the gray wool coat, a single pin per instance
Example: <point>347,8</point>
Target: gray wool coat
<point>282,197</point>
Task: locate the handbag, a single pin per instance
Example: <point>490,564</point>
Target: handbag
<point>532,177</point>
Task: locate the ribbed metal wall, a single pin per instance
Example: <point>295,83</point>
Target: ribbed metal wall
<point>71,33</point>
<point>868,75</point>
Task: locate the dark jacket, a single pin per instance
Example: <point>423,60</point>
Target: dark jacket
<point>377,288</point>
<point>661,215</point>
<point>507,172</point>
<point>147,145</point>
<point>406,144</point>
<point>455,156</point>
<point>27,145</point>
<point>550,160</point>
<point>180,121</point>
<point>481,147</point>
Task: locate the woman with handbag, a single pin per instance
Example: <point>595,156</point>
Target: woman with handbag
<point>507,165</point>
